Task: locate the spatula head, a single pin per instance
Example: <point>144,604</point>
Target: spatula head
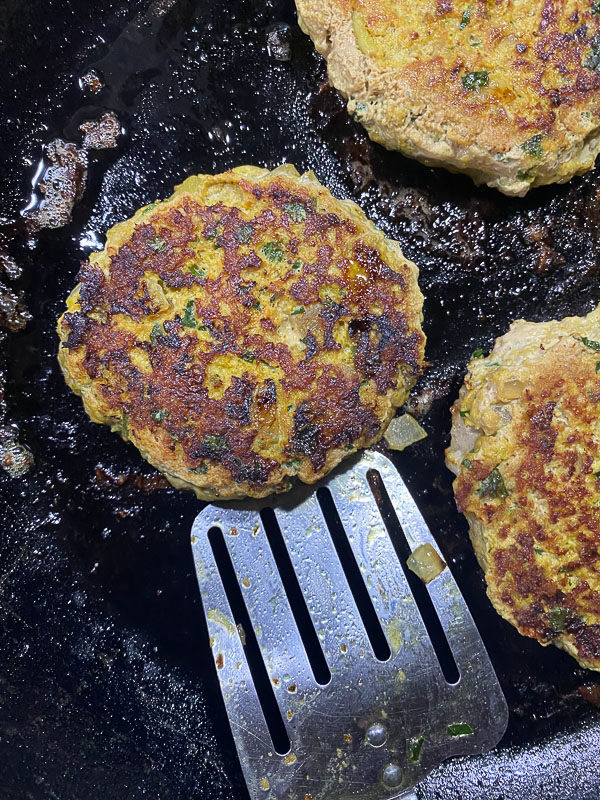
<point>378,717</point>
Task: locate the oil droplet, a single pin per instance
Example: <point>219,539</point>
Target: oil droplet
<point>290,759</point>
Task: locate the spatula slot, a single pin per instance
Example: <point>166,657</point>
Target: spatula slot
<point>295,597</point>
<point>264,689</point>
<point>417,587</point>
<point>377,638</point>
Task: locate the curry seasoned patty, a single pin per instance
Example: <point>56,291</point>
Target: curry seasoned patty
<point>526,449</point>
<point>508,92</point>
<point>249,329</point>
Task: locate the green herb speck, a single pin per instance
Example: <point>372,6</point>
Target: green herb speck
<point>592,58</point>
<point>296,265</point>
<point>158,244</point>
<point>189,320</point>
<point>248,357</point>
<point>533,146</point>
<point>493,486</point>
<point>465,19</point>
<point>414,748</point>
<point>244,233</point>
<point>478,353</point>
<point>459,729</point>
<point>523,175</point>
<point>149,208</point>
<point>256,305</point>
<point>159,415</point>
<point>197,271</point>
<point>539,551</point>
<point>465,412</point>
<point>298,310</point>
<point>296,211</point>
<point>201,469</point>
<point>467,463</point>
<point>475,80</point>
<point>595,7</point>
<point>272,252</point>
<point>214,444</point>
<point>591,343</point>
<point>294,464</point>
<point>558,618</point>
<point>156,332</point>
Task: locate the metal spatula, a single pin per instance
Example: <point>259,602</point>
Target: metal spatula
<point>364,727</point>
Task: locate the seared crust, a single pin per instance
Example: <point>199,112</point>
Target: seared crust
<point>526,449</point>
<point>248,329</point>
<point>507,92</point>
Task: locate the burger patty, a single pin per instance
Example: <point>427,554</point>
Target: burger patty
<point>249,329</point>
<point>526,449</point>
<point>507,92</point>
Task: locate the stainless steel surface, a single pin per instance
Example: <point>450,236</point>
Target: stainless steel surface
<point>358,735</point>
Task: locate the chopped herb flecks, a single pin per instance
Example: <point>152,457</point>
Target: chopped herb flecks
<point>475,80</point>
<point>459,729</point>
<point>478,353</point>
<point>198,272</point>
<point>149,208</point>
<point>467,463</point>
<point>159,415</point>
<point>272,252</point>
<point>296,211</point>
<point>595,7</point>
<point>465,412</point>
<point>298,310</point>
<point>296,265</point>
<point>533,146</point>
<point>493,486</point>
<point>465,19</point>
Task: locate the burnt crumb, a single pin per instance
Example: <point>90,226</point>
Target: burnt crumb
<point>62,184</point>
<point>91,82</point>
<point>13,314</point>
<point>101,134</point>
<point>106,478</point>
<point>278,42</point>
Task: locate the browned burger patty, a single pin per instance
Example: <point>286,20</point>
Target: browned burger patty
<point>505,91</point>
<point>249,329</point>
<point>526,451</point>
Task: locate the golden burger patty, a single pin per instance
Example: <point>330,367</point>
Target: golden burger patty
<point>249,329</point>
<point>526,449</point>
<point>508,92</point>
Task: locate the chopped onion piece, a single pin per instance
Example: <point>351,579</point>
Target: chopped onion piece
<point>425,563</point>
<point>403,431</point>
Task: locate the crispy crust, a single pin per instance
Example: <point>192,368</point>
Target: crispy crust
<point>526,449</point>
<point>248,329</point>
<point>410,71</point>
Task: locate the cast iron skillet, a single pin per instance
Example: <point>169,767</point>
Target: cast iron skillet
<point>106,684</point>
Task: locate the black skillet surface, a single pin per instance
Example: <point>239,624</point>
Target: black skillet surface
<point>106,682</point>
